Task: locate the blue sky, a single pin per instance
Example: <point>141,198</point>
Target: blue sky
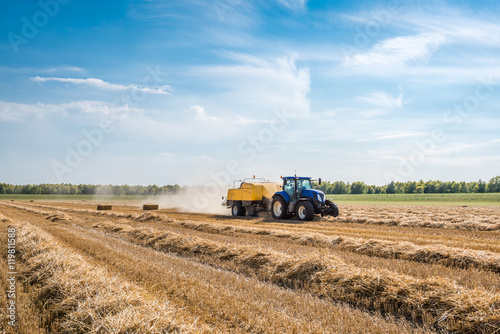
<point>190,92</point>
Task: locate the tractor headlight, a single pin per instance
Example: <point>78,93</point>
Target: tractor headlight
<point>320,198</point>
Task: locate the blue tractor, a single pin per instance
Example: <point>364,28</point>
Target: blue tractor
<point>299,197</point>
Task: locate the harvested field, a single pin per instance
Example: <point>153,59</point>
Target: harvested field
<point>451,217</point>
<point>375,269</point>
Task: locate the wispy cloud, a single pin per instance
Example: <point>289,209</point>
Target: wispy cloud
<point>454,148</point>
<point>209,15</point>
<point>295,5</point>
<point>262,84</point>
<point>238,119</point>
<point>66,69</point>
<point>457,25</point>
<point>384,100</point>
<point>18,112</point>
<point>484,162</point>
<point>398,51</point>
<point>163,90</point>
<point>201,115</point>
<point>391,135</point>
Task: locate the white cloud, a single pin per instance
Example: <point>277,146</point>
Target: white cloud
<point>67,68</point>
<point>295,5</point>
<point>385,100</point>
<point>378,155</point>
<point>202,157</point>
<point>398,51</point>
<point>165,156</point>
<point>238,119</point>
<point>261,85</point>
<point>458,26</point>
<point>201,115</point>
<point>480,161</point>
<point>164,90</point>
<point>471,147</point>
<point>17,112</point>
<point>391,135</point>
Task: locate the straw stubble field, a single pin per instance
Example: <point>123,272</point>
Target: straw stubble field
<point>374,269</point>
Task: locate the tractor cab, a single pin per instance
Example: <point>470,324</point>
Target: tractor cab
<point>294,186</point>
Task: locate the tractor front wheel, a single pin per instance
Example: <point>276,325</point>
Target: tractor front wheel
<point>237,209</point>
<point>332,208</point>
<point>279,208</point>
<point>305,211</point>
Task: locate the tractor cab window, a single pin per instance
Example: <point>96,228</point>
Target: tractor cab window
<point>289,187</point>
<point>304,184</point>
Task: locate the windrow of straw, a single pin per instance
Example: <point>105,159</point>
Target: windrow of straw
<point>432,301</point>
<point>4,219</point>
<point>32,209</point>
<point>111,214</point>
<point>438,254</point>
<point>450,217</point>
<point>60,216</point>
<point>77,297</point>
<point>55,217</point>
<point>470,226</point>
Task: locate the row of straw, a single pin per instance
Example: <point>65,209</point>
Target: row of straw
<point>438,254</point>
<point>78,297</point>
<point>431,301</point>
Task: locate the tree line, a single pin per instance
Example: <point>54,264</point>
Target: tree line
<point>337,187</point>
<point>412,187</point>
<point>87,189</point>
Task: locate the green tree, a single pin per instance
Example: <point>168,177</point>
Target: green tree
<point>420,187</point>
<point>494,185</point>
<point>391,188</point>
<point>358,188</point>
<point>481,186</point>
<point>339,187</point>
<point>410,187</point>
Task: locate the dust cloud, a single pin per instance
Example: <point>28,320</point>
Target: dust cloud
<point>193,200</point>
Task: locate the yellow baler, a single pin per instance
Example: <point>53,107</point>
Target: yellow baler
<point>252,196</point>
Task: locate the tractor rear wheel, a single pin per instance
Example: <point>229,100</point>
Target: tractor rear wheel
<point>279,208</point>
<point>305,211</point>
<point>237,209</point>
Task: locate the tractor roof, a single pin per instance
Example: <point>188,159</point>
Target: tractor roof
<point>298,177</point>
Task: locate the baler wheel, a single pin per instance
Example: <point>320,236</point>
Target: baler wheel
<point>237,209</point>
